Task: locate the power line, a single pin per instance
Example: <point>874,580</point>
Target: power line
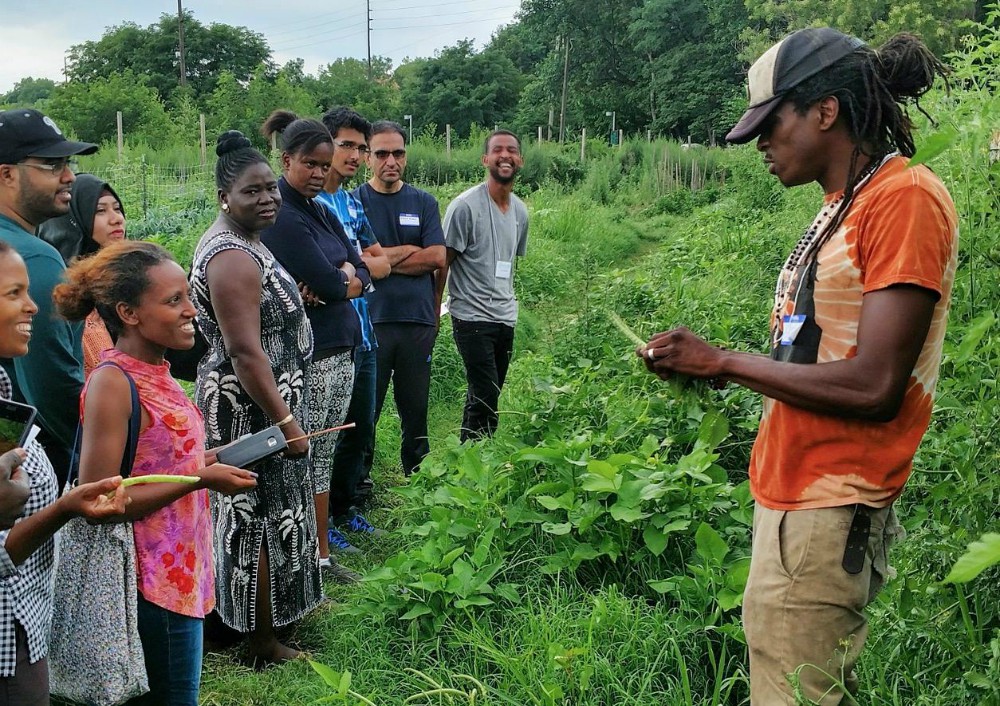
<point>438,15</point>
<point>306,22</point>
<point>312,25</point>
<point>439,4</point>
<point>324,36</point>
<point>447,24</point>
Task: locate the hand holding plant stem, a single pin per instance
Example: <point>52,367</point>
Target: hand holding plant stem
<point>97,501</point>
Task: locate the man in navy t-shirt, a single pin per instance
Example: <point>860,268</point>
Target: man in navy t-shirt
<point>403,308</point>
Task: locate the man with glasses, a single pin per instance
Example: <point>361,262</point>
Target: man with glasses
<point>403,308</point>
<point>350,133</point>
<point>35,180</point>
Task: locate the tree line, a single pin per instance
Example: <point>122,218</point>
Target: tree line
<point>673,67</point>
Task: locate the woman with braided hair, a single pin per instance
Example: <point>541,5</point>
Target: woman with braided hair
<point>857,330</point>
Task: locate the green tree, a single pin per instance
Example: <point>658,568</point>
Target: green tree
<point>941,23</point>
<point>694,69</point>
<point>233,106</point>
<point>606,71</point>
<point>346,82</point>
<point>29,91</point>
<point>462,88</point>
<point>153,52</point>
<point>88,109</point>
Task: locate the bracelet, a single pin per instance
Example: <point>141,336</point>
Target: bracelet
<point>287,420</point>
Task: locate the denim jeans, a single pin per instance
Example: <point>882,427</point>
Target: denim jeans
<point>486,348</point>
<point>353,444</point>
<point>172,647</point>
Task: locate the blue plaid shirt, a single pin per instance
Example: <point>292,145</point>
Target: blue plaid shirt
<point>351,215</point>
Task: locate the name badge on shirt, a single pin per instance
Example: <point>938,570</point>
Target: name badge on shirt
<point>409,219</point>
<point>791,325</point>
<point>503,269</point>
<point>351,210</point>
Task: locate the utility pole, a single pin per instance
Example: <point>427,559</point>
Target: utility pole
<point>368,4</point>
<point>562,109</point>
<point>180,37</point>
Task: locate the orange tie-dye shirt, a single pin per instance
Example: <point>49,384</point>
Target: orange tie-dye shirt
<point>901,228</point>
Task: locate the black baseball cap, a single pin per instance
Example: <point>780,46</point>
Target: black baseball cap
<point>27,133</point>
<point>784,66</point>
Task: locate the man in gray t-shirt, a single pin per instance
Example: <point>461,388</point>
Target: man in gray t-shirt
<point>485,229</point>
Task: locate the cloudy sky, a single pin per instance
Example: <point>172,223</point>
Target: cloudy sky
<point>38,33</point>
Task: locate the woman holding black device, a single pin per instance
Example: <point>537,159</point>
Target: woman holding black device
<point>253,376</point>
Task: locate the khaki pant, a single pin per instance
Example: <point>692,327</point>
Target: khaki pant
<point>803,615</point>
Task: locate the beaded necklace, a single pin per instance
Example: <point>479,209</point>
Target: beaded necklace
<point>807,249</point>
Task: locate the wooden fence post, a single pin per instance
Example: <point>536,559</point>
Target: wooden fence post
<point>121,136</point>
<point>447,138</point>
<point>204,145</point>
<point>583,144</point>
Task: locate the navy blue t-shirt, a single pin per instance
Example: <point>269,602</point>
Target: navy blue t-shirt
<point>408,217</point>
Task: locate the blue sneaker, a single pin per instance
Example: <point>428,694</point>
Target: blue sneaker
<point>357,523</point>
<point>338,542</point>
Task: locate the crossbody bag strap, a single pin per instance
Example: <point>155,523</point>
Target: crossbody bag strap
<point>131,440</point>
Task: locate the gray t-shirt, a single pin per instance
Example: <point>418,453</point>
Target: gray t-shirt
<point>480,284</point>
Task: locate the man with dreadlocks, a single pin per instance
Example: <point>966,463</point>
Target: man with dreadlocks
<point>856,335</point>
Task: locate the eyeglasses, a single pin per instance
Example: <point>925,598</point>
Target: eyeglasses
<point>56,166</point>
<point>351,147</point>
<point>382,155</point>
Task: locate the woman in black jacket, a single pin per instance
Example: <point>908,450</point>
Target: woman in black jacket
<point>312,245</point>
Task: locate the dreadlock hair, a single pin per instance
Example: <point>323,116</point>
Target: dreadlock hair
<point>296,135</point>
<point>236,154</point>
<point>118,273</point>
<point>873,88</point>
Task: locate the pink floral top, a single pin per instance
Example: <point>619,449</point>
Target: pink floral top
<point>174,544</point>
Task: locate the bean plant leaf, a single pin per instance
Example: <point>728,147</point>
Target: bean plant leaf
<point>714,428</point>
<point>331,677</point>
<point>973,335</point>
<point>656,540</point>
<point>710,546</point>
<point>414,612</point>
<point>980,555</point>
<point>933,146</point>
<point>729,599</point>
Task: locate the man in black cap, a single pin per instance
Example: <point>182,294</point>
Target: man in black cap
<point>857,330</point>
<point>35,180</point>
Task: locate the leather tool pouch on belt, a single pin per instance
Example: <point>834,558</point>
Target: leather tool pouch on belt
<point>857,541</point>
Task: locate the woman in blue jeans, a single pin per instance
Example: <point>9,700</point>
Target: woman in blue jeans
<point>142,296</point>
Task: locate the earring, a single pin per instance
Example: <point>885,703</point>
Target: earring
<point>225,207</point>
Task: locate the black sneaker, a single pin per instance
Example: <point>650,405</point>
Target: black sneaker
<point>337,572</point>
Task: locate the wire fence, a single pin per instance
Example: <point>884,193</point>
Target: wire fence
<point>146,188</point>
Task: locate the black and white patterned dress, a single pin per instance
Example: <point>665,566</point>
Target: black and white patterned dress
<point>280,509</point>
